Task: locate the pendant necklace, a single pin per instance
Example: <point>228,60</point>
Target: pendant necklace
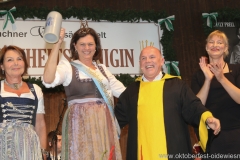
<point>15,86</point>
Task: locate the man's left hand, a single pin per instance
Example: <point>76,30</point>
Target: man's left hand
<point>214,124</point>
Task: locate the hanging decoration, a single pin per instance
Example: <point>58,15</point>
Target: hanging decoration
<point>8,16</point>
<point>210,17</point>
<point>172,66</point>
<point>167,22</point>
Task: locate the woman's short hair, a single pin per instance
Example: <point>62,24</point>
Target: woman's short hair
<point>221,35</point>
<point>15,48</point>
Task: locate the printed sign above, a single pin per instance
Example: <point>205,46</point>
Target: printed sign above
<point>121,43</point>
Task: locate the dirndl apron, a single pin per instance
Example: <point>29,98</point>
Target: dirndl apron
<point>18,139</point>
<point>89,129</point>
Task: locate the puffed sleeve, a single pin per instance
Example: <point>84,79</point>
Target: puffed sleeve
<point>116,86</point>
<point>63,75</point>
<point>39,94</point>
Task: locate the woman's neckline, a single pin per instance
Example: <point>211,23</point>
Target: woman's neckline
<point>15,86</point>
<point>14,93</point>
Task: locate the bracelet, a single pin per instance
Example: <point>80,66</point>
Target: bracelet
<point>44,152</point>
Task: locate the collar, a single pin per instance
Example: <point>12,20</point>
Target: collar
<point>158,77</point>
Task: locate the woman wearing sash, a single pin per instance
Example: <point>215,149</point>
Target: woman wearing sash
<point>22,124</point>
<point>90,130</point>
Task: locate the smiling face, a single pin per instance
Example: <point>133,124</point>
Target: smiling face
<point>84,33</point>
<point>151,62</point>
<point>216,47</point>
<point>13,64</point>
<point>86,48</point>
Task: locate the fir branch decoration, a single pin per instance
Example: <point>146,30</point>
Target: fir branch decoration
<point>229,15</point>
<point>38,81</point>
<point>126,79</point>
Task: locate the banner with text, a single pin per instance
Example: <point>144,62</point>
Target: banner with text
<point>121,42</point>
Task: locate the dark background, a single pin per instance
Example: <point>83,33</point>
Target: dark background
<point>231,33</point>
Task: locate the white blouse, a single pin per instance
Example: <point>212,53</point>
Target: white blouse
<point>29,95</point>
<point>63,76</point>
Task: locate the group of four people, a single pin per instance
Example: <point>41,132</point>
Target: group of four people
<point>158,107</point>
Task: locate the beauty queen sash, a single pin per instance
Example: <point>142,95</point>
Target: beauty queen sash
<point>101,89</point>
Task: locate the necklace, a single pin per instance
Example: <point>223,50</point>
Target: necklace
<point>14,85</point>
<point>224,65</point>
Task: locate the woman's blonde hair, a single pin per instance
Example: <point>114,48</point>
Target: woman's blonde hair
<point>221,35</point>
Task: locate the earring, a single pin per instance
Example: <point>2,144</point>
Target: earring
<point>2,71</point>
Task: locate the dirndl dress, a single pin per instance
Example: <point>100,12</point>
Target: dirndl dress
<point>89,129</point>
<point>18,139</point>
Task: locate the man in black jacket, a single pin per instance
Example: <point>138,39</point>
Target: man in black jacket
<point>158,108</point>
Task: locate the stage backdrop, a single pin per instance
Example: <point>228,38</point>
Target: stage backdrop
<point>121,42</point>
<point>231,31</point>
<point>228,21</point>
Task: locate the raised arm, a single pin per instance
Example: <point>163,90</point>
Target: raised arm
<point>51,65</point>
<point>203,93</point>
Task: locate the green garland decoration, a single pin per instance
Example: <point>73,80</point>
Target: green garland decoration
<point>38,81</point>
<point>95,14</point>
<point>224,15</point>
<point>126,79</point>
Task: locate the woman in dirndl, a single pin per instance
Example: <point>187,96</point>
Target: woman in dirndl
<point>22,123</point>
<point>90,130</point>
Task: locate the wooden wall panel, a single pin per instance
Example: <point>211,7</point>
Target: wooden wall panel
<point>54,106</point>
